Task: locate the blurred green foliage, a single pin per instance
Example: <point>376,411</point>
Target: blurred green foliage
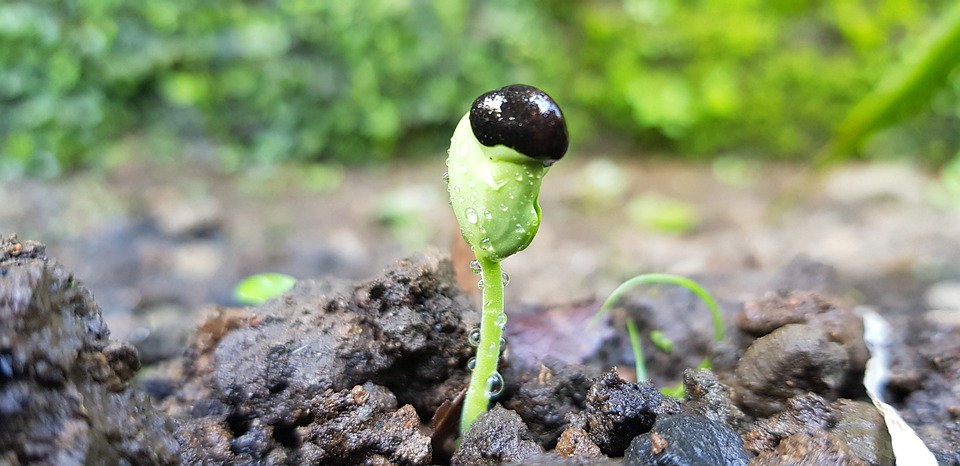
<point>260,81</point>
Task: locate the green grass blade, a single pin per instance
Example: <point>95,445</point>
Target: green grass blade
<point>905,88</point>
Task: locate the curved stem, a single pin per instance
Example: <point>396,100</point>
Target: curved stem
<point>488,352</point>
<point>670,279</point>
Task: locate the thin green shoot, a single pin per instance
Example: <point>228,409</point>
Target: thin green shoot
<point>659,339</point>
<point>638,359</point>
<point>666,279</point>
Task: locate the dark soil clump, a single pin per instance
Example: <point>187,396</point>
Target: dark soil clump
<point>65,396</point>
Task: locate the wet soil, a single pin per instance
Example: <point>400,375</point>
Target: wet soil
<point>350,370</point>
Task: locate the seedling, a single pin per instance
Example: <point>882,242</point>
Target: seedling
<point>660,340</point>
<point>499,153</point>
<point>260,288</point>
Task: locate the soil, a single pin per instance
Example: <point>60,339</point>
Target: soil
<point>354,371</point>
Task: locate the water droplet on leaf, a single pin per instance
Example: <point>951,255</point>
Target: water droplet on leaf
<point>480,284</point>
<point>471,364</point>
<point>471,215</point>
<point>446,177</point>
<point>505,278</point>
<point>474,337</point>
<point>475,266</point>
<point>501,320</point>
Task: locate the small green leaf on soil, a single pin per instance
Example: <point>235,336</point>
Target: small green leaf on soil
<point>257,289</point>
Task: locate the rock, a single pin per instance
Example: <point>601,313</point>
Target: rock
<point>686,440</point>
<point>64,386</point>
<point>792,360</point>
<point>617,411</point>
<point>496,436</point>
<point>707,397</point>
<point>545,396</point>
<point>863,429</point>
<point>806,449</point>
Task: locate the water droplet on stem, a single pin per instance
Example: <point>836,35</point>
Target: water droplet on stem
<point>494,384</point>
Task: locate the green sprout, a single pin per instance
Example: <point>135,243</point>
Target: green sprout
<point>260,288</point>
<point>499,153</point>
<point>659,339</point>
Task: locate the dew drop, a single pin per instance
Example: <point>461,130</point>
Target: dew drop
<point>520,229</point>
<point>501,320</point>
<point>471,215</point>
<point>505,278</point>
<point>503,207</point>
<point>471,364</point>
<point>474,337</point>
<point>510,195</point>
<point>518,176</point>
<point>487,215</point>
<point>480,284</point>
<point>503,344</point>
<point>494,384</point>
<point>475,266</point>
<point>446,177</point>
<point>486,245</point>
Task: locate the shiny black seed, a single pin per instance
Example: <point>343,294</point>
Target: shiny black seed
<point>523,118</point>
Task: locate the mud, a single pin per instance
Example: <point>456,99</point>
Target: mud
<point>342,373</point>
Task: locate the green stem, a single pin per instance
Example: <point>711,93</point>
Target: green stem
<point>670,279</point>
<point>488,352</point>
<point>638,359</point>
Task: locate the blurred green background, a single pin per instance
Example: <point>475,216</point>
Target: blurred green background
<point>90,83</point>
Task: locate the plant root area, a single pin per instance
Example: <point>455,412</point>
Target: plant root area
<point>120,343</point>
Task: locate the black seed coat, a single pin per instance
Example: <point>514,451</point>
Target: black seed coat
<point>523,118</point>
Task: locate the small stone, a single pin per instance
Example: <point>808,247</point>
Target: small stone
<point>687,440</point>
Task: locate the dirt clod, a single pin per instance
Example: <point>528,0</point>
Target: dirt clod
<point>687,440</point>
<point>617,411</point>
<point>707,397</point>
<point>805,414</point>
<point>64,397</point>
<point>790,361</point>
<point>861,426</point>
<point>806,449</point>
<point>546,395</point>
<point>496,436</point>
